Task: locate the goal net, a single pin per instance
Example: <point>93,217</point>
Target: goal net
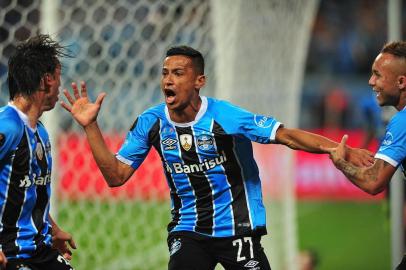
<point>254,52</point>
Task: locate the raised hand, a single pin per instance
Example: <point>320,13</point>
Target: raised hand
<point>339,152</point>
<point>82,109</point>
<point>359,157</point>
<point>356,156</point>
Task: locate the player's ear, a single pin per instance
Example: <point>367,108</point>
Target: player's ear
<point>402,82</point>
<point>42,86</point>
<point>46,82</point>
<point>200,81</point>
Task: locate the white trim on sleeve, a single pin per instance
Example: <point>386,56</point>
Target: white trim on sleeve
<point>273,132</point>
<point>391,161</point>
<point>124,160</point>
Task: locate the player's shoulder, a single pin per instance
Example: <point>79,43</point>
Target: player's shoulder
<point>11,128</point>
<point>10,120</point>
<point>399,119</point>
<point>155,112</point>
<point>221,106</point>
<point>149,117</point>
<point>402,114</point>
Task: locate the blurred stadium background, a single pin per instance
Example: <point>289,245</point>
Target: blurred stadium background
<point>305,62</point>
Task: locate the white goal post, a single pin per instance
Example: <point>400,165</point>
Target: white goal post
<point>260,53</point>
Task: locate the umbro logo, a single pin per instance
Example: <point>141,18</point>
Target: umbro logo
<point>169,144</point>
<point>251,264</point>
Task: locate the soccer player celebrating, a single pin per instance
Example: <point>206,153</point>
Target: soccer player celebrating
<point>27,231</point>
<point>388,80</point>
<point>205,146</point>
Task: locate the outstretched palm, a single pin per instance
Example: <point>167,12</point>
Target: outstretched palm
<point>82,109</point>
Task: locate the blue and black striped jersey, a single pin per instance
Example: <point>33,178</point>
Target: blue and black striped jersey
<point>213,178</point>
<point>25,176</point>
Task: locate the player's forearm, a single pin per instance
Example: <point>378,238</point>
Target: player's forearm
<point>105,160</point>
<point>302,140</point>
<point>364,178</point>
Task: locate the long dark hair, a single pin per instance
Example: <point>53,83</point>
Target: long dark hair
<point>31,60</point>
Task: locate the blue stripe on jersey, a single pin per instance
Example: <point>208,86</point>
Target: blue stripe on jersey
<point>171,154</point>
<point>207,150</point>
<point>12,128</point>
<point>27,230</point>
<point>167,134</point>
<point>45,218</point>
<point>252,183</point>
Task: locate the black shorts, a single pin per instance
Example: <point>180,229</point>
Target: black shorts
<point>190,251</point>
<point>402,265</point>
<point>44,258</point>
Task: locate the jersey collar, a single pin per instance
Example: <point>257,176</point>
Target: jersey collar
<point>22,116</point>
<point>200,113</point>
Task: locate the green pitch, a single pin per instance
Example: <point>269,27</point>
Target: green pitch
<point>346,235</point>
<point>132,235</point>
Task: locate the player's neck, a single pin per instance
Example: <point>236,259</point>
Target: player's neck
<point>402,104</point>
<point>187,114</point>
<point>28,106</point>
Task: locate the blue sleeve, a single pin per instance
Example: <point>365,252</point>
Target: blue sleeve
<point>136,145</point>
<point>393,147</point>
<point>237,121</point>
<point>10,135</point>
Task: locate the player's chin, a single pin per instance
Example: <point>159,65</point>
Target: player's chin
<point>171,106</point>
<point>170,102</point>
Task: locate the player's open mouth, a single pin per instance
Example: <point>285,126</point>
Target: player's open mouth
<point>169,96</point>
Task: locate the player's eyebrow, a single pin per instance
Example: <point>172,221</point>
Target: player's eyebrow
<point>175,69</point>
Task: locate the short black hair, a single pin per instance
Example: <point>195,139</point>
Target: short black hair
<point>396,48</point>
<point>195,55</point>
<point>32,59</point>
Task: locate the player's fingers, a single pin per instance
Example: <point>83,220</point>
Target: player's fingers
<point>72,243</point>
<point>66,106</point>
<point>67,256</point>
<point>83,89</point>
<point>68,96</point>
<point>76,91</point>
<point>100,99</point>
<point>344,140</point>
<point>369,161</point>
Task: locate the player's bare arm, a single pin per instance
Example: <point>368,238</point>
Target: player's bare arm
<point>372,179</point>
<point>85,113</point>
<point>298,139</point>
